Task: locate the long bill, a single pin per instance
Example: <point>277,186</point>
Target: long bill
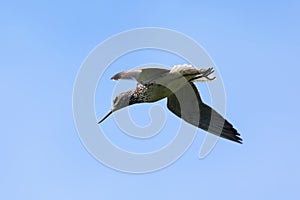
<point>106,116</point>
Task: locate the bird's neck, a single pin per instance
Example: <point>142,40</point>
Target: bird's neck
<point>136,96</point>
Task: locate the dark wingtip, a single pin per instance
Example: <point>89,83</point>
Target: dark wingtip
<point>238,140</point>
<point>230,133</point>
<point>233,136</point>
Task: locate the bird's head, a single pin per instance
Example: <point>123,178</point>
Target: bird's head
<point>120,101</point>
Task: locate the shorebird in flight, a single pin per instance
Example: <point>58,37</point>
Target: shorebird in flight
<point>183,98</point>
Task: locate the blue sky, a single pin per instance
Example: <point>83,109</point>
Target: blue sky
<point>255,46</point>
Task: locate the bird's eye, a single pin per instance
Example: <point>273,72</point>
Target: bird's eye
<point>115,100</point>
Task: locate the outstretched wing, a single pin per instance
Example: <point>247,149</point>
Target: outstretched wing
<point>144,75</point>
<point>187,104</point>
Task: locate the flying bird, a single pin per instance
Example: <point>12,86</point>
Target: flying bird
<point>183,99</point>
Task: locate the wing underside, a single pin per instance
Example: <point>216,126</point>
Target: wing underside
<point>187,104</point>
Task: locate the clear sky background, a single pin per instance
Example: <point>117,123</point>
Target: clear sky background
<point>255,45</point>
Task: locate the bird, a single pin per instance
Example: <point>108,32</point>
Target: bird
<point>183,99</point>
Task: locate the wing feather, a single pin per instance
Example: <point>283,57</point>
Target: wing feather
<point>143,75</point>
<point>187,104</point>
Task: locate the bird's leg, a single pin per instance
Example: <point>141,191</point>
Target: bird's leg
<point>208,78</point>
<point>209,72</point>
<point>204,74</point>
